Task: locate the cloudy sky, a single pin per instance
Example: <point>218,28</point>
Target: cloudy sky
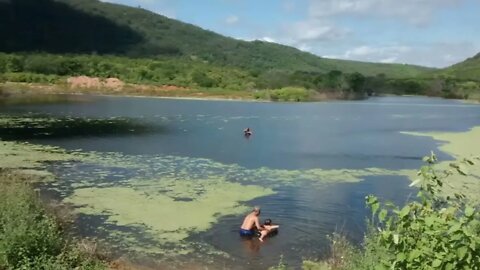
<point>425,32</point>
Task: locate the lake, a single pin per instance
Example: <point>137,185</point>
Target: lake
<point>173,186</point>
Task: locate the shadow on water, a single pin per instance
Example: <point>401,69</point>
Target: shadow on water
<point>9,99</point>
<point>42,127</point>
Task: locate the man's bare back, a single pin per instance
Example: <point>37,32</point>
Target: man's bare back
<point>251,222</point>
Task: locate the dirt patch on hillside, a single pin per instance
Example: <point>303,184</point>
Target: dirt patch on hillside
<point>172,88</point>
<point>95,83</point>
<point>86,82</point>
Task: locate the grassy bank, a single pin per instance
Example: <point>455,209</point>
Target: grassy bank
<point>14,89</point>
<point>31,236</point>
<point>13,92</point>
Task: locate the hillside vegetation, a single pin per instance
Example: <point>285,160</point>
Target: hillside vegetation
<point>466,70</point>
<point>90,26</point>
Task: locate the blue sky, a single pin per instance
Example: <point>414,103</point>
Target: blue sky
<point>425,32</point>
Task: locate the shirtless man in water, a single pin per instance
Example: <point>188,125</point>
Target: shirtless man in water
<point>251,223</point>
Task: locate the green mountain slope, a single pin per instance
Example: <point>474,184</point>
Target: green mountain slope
<point>91,26</point>
<point>466,70</point>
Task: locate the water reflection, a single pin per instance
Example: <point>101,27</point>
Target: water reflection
<point>251,246</point>
<point>7,99</point>
<point>33,126</point>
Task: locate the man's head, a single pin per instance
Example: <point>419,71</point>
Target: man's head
<point>268,222</point>
<point>256,210</point>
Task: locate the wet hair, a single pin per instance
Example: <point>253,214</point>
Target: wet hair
<point>267,222</point>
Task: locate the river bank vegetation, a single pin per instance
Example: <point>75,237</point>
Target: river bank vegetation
<point>434,231</point>
<point>32,236</point>
<point>439,228</point>
<point>193,77</point>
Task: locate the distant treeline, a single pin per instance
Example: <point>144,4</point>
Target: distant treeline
<point>194,73</point>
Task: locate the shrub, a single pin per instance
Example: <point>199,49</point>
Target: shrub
<point>30,238</point>
<point>29,78</point>
<point>435,232</point>
<point>289,94</point>
<point>28,234</point>
<point>203,80</point>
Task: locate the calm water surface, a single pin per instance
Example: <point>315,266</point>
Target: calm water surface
<point>333,135</point>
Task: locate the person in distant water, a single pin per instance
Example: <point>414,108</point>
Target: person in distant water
<point>251,225</point>
<point>247,132</point>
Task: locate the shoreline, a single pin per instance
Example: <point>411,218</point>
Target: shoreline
<point>20,90</point>
<point>15,89</point>
<point>8,89</point>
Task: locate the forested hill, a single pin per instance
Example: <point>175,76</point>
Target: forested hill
<point>91,26</point>
<point>466,70</point>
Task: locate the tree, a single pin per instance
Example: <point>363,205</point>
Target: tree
<point>14,64</point>
<point>356,82</point>
<point>203,80</point>
<point>334,79</point>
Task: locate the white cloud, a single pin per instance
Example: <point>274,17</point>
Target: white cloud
<point>314,30</point>
<point>268,39</point>
<point>414,11</point>
<point>433,55</point>
<point>232,19</point>
<point>304,47</point>
<point>389,60</point>
<point>367,51</point>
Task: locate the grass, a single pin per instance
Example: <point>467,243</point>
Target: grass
<point>33,238</point>
<point>291,94</point>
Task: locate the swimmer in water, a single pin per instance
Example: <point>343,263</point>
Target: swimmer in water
<point>269,227</point>
<point>251,224</point>
<point>247,132</point>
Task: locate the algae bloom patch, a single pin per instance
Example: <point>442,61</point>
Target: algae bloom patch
<point>460,145</point>
<point>156,207</point>
<point>31,158</point>
<point>153,203</point>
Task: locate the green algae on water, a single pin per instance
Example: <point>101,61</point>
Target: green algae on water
<point>156,206</point>
<point>153,203</point>
<point>169,198</point>
<point>30,158</point>
<point>165,198</point>
<point>460,145</point>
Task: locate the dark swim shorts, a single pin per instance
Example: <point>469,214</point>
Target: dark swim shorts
<point>247,232</point>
